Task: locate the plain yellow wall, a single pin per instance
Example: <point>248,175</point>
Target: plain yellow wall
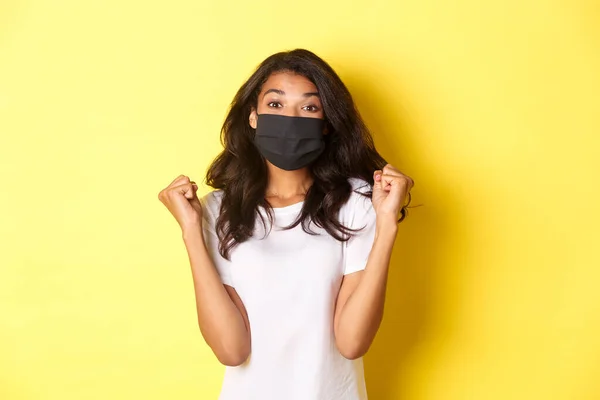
<point>492,107</point>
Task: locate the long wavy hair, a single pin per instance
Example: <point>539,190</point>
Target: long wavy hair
<point>240,171</point>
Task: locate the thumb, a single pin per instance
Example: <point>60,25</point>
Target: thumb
<point>377,185</point>
<point>189,190</point>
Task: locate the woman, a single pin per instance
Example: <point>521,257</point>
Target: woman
<point>290,252</point>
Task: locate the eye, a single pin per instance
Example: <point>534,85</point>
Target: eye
<point>311,108</point>
<point>274,104</point>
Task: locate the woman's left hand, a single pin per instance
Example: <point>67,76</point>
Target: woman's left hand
<point>390,192</point>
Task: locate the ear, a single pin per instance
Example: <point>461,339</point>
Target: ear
<point>253,118</point>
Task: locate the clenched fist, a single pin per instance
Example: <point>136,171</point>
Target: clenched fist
<point>181,200</point>
<point>390,191</point>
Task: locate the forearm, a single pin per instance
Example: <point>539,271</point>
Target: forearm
<point>220,321</point>
<point>362,313</point>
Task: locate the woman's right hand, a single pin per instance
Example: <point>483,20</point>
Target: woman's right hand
<point>181,200</point>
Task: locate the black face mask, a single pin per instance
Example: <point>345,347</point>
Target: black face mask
<point>289,142</point>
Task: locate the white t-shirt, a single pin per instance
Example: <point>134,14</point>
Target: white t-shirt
<point>289,282</point>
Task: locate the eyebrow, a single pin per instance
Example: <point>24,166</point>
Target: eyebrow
<point>282,93</point>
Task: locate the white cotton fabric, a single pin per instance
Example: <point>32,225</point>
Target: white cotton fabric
<point>289,282</point>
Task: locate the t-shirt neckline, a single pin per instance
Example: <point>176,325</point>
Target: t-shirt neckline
<point>288,209</point>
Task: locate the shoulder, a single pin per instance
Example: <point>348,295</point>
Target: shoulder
<point>359,200</point>
<point>359,185</point>
<point>360,190</point>
<point>211,203</point>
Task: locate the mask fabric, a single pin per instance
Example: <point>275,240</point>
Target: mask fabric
<point>289,143</point>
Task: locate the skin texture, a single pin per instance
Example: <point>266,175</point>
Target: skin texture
<point>222,317</point>
<point>360,302</point>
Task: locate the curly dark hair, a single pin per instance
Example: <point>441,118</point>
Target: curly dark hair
<point>240,171</point>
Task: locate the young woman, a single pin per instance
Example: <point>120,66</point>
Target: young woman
<point>290,252</point>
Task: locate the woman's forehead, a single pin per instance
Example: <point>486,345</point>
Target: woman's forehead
<point>288,82</point>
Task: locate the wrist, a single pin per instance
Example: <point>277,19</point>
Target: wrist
<point>386,226</point>
<point>191,233</point>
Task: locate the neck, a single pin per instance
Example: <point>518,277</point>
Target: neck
<point>287,184</point>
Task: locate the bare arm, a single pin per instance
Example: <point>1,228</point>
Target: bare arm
<point>222,317</point>
<point>360,303</point>
<point>359,307</point>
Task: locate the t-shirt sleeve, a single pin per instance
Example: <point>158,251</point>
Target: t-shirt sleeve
<point>356,250</point>
<point>209,218</point>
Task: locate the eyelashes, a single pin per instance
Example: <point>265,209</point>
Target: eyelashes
<point>312,108</point>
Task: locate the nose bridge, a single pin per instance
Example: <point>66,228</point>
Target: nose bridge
<point>293,104</point>
<point>292,109</point>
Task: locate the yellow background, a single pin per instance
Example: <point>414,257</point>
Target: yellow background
<point>492,107</point>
